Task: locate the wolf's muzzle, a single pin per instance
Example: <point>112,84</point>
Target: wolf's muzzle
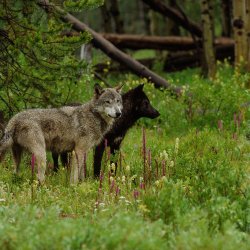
<point>118,114</point>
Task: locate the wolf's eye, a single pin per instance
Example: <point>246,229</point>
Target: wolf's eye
<point>108,101</point>
<point>118,101</point>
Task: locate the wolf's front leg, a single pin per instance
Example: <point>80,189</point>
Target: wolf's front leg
<point>81,156</point>
<point>74,171</point>
<point>83,170</point>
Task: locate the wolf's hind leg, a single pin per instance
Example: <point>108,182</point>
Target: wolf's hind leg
<point>55,157</point>
<point>40,155</point>
<point>17,155</point>
<point>34,142</point>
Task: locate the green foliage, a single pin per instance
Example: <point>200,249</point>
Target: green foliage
<point>39,67</point>
<point>78,5</point>
<point>32,227</point>
<point>200,202</point>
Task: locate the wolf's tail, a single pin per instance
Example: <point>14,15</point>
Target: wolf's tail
<point>5,143</point>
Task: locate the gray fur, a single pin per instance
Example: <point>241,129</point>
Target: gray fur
<point>60,130</point>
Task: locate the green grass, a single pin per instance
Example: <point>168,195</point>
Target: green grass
<point>196,191</point>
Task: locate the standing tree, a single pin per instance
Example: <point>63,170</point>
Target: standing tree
<point>115,12</point>
<point>209,62</point>
<point>226,8</point>
<point>106,18</point>
<point>248,32</point>
<point>239,26</point>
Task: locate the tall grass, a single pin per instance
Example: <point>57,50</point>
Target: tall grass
<point>181,182</point>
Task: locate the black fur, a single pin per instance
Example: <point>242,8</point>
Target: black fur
<point>135,105</point>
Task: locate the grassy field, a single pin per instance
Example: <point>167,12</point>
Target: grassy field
<point>191,193</point>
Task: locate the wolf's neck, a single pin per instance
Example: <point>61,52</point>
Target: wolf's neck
<point>103,121</point>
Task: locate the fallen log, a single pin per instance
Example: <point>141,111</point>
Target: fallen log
<point>175,61</point>
<point>171,43</point>
<point>182,60</point>
<point>108,48</point>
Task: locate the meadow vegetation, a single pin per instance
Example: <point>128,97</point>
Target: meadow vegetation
<point>182,181</point>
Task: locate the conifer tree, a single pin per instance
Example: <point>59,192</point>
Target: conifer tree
<point>38,65</point>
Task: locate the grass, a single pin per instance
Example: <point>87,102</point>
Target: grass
<point>191,192</point>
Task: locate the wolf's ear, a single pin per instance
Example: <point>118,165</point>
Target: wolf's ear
<point>119,88</point>
<point>98,90</point>
<point>141,86</point>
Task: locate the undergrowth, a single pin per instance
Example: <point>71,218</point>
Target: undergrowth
<point>182,179</point>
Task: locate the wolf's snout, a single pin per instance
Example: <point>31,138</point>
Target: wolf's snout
<point>156,114</point>
<point>118,114</point>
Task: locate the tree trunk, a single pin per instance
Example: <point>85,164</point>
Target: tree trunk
<point>144,15</point>
<point>209,62</point>
<point>239,26</point>
<point>248,34</point>
<point>109,49</point>
<point>115,12</point>
<point>175,15</point>
<point>106,18</point>
<point>226,7</point>
<point>172,28</point>
<point>155,26</point>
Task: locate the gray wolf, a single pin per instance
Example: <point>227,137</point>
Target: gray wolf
<point>64,129</point>
<point>135,106</point>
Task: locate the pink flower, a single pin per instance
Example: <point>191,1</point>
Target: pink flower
<point>136,194</point>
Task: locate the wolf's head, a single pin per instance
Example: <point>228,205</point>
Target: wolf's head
<point>108,101</point>
<point>140,103</point>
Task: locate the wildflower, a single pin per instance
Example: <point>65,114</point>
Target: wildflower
<point>177,140</point>
<point>117,191</point>
<point>143,208</point>
<point>171,164</point>
<point>112,167</point>
<point>101,204</point>
<point>163,178</point>
<point>157,183</point>
<point>164,155</point>
<point>127,169</point>
<point>136,194</point>
<point>112,184</point>
<point>141,179</point>
<point>111,178</point>
<point>123,179</point>
<point>127,202</point>
<point>133,177</point>
<point>142,186</point>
